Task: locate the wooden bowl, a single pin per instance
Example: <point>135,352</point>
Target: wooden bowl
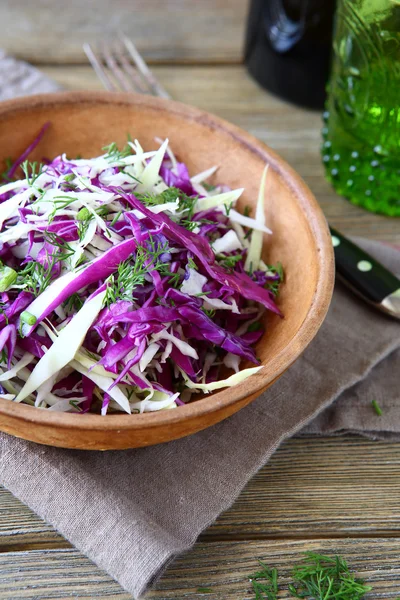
<point>82,123</point>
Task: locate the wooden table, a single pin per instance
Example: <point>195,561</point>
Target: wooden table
<point>336,494</point>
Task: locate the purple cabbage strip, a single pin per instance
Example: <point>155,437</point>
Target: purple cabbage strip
<point>8,338</point>
<point>100,268</point>
<point>160,313</point>
<point>201,248</point>
<point>33,344</point>
<point>181,180</point>
<point>20,303</point>
<point>203,328</point>
<point>27,152</point>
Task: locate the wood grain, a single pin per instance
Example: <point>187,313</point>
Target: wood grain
<point>293,132</point>
<point>311,488</point>
<point>222,567</point>
<point>53,31</point>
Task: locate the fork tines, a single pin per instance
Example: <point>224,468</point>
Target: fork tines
<point>119,66</point>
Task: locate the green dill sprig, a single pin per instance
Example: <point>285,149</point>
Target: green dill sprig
<point>265,583</point>
<point>256,326</point>
<point>208,186</point>
<point>32,170</point>
<point>35,277</point>
<point>210,312</point>
<point>73,304</point>
<point>229,262</point>
<point>60,202</point>
<point>228,208</point>
<point>318,578</point>
<point>4,178</point>
<point>3,356</point>
<point>326,578</point>
<point>114,154</point>
<point>274,286</point>
<point>186,203</point>
<point>65,250</point>
<point>131,273</point>
<point>192,264</point>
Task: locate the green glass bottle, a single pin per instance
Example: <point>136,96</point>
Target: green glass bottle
<point>361,133</point>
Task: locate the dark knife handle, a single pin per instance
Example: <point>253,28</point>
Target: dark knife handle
<point>361,271</point>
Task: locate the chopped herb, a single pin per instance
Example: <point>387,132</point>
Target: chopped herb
<point>256,326</point>
<point>92,355</point>
<point>129,394</point>
<point>210,312</point>
<point>103,210</point>
<point>228,208</point>
<point>186,203</point>
<point>3,307</point>
<point>69,177</point>
<point>200,294</point>
<point>247,211</point>
<point>73,303</point>
<point>35,278</point>
<point>229,262</point>
<point>132,272</point>
<point>377,408</point>
<point>274,286</point>
<point>265,583</point>
<point>175,279</point>
<point>114,154</point>
<point>115,219</point>
<point>326,578</point>
<point>192,264</point>
<point>74,403</point>
<point>208,186</point>
<point>319,578</point>
<point>65,250</point>
<point>4,175</point>
<point>35,168</point>
<point>3,356</point>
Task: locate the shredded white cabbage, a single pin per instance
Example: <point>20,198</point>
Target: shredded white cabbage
<point>65,347</point>
<point>254,253</point>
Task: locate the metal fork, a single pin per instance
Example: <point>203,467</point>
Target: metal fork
<point>120,67</point>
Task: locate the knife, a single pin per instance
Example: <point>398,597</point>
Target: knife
<point>366,276</point>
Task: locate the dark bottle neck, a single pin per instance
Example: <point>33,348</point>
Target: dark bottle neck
<point>288,47</point>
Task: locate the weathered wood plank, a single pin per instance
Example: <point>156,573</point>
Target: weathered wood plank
<point>222,567</point>
<point>53,31</point>
<point>293,132</point>
<point>311,488</point>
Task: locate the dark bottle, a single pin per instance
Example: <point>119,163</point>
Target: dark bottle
<point>288,47</point>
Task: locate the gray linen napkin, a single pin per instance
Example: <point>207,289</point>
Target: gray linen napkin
<point>17,78</point>
<point>132,511</point>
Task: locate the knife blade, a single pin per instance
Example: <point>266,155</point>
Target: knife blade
<point>366,276</point>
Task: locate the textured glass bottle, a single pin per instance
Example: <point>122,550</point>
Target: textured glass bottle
<point>361,148</point>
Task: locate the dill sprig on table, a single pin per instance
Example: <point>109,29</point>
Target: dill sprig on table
<point>318,578</point>
<point>265,583</point>
<point>326,578</point>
